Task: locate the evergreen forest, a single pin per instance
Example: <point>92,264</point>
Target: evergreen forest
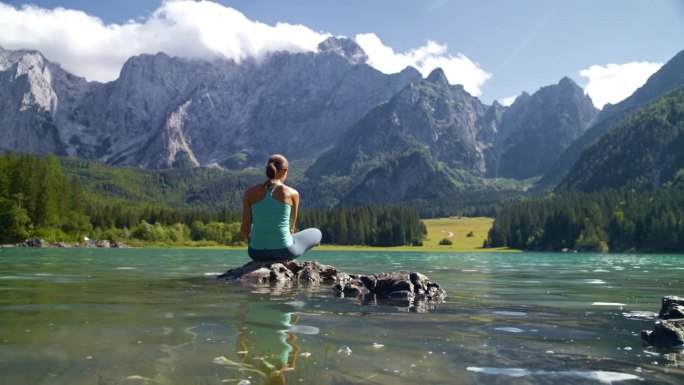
<point>609,220</point>
<point>38,199</point>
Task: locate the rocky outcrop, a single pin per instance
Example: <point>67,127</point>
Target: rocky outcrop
<point>431,114</point>
<point>536,128</point>
<point>397,287</point>
<point>668,331</point>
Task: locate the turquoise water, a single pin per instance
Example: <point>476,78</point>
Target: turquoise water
<point>157,316</point>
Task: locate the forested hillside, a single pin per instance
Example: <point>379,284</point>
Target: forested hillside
<point>38,199</point>
<point>610,220</point>
<point>643,153</point>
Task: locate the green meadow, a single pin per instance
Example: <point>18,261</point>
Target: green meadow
<point>465,235</point>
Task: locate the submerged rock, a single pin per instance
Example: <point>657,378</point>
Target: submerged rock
<point>398,286</point>
<point>668,331</point>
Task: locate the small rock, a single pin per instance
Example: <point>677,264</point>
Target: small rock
<point>103,244</point>
<point>36,242</point>
<point>671,307</point>
<point>668,330</point>
<point>344,350</point>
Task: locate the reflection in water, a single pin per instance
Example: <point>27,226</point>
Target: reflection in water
<point>266,344</point>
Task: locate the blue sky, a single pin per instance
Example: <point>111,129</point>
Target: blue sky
<point>496,48</point>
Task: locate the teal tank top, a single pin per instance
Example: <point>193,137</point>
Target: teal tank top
<point>270,223</point>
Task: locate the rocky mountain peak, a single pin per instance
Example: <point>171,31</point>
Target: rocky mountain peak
<point>411,73</point>
<point>437,76</point>
<point>537,128</point>
<point>4,59</point>
<point>346,48</point>
<point>9,57</point>
<point>567,82</point>
<point>668,78</point>
<point>24,59</point>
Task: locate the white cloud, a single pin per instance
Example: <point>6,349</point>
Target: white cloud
<point>84,45</point>
<point>615,82</point>
<point>508,101</point>
<point>458,69</point>
<point>87,47</point>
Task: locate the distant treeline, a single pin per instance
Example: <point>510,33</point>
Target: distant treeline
<point>374,225</point>
<point>609,220</point>
<point>38,200</point>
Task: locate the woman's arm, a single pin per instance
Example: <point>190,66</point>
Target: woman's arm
<point>246,225</point>
<point>293,211</point>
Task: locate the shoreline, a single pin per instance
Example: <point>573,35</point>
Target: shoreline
<point>417,249</point>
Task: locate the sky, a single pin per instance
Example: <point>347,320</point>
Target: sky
<point>496,49</point>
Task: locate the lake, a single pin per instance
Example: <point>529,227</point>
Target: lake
<point>158,316</point>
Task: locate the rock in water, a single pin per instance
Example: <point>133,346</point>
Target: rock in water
<point>289,272</point>
<point>399,286</point>
<point>668,331</point>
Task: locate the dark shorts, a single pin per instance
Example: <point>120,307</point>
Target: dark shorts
<point>302,241</point>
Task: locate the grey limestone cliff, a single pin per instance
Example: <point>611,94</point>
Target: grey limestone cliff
<point>537,128</point>
<point>171,112</point>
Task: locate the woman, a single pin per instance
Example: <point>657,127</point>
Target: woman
<point>269,214</point>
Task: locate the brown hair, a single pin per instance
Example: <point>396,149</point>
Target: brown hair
<point>276,162</point>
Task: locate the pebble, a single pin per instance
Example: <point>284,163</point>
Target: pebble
<point>345,350</point>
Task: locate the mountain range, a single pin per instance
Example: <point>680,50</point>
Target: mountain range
<point>362,136</point>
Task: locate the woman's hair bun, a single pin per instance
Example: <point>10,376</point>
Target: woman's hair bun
<point>276,162</point>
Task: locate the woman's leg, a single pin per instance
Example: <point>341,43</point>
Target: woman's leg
<point>304,240</point>
<point>270,255</point>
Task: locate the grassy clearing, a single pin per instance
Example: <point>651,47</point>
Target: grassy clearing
<point>455,230</point>
<point>465,234</point>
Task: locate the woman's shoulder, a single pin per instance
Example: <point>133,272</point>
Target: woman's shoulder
<point>255,191</point>
<point>256,187</point>
<point>289,190</point>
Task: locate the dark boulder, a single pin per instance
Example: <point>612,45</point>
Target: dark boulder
<point>668,331</point>
<point>35,242</point>
<point>400,285</point>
